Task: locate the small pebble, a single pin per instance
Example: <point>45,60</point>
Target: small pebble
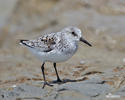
<point>82,62</point>
<point>14,86</point>
<point>123,60</point>
<point>109,95</point>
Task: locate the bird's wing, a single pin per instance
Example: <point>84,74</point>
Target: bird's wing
<point>44,43</point>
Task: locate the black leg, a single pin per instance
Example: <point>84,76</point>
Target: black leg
<point>45,83</point>
<point>58,79</point>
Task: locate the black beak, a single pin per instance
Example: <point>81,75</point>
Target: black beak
<point>85,41</point>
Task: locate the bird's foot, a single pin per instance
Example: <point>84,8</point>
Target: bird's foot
<point>46,83</point>
<point>57,81</point>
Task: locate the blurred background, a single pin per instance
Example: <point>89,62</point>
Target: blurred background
<point>101,21</point>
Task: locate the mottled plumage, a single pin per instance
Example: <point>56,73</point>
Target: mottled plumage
<point>56,47</point>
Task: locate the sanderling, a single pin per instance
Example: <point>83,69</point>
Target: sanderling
<point>55,47</point>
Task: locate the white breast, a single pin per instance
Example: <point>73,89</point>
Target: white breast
<point>54,55</point>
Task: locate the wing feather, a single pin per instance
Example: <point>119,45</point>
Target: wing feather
<point>45,43</point>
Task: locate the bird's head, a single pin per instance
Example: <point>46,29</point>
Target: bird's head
<point>75,34</point>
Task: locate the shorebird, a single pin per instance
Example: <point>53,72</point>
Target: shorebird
<point>55,47</point>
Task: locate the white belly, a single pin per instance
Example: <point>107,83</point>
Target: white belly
<point>54,56</point>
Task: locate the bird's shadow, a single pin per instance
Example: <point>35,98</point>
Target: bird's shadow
<point>68,80</point>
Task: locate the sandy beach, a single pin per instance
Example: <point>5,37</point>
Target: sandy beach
<point>93,73</point>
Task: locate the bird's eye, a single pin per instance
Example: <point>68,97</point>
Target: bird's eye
<point>74,34</point>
